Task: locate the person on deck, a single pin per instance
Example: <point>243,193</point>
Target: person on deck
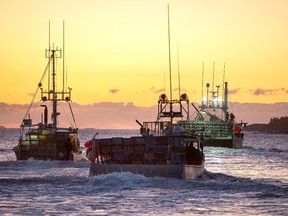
<point>193,155</point>
<point>68,146</point>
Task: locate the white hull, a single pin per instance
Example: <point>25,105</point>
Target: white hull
<point>193,171</point>
<point>76,156</point>
<point>237,142</point>
<point>188,172</point>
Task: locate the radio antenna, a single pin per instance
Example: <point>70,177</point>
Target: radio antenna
<point>213,78</point>
<point>224,71</point>
<point>178,71</point>
<point>63,56</point>
<point>169,54</point>
<point>203,83</point>
<point>49,47</point>
<point>164,74</point>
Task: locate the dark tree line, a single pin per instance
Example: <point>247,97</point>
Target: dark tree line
<point>276,125</point>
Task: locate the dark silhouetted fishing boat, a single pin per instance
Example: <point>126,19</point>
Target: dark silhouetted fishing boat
<point>45,140</point>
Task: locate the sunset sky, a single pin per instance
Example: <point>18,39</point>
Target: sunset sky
<point>117,51</point>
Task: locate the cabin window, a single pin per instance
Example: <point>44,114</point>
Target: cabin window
<point>46,132</point>
<point>33,137</point>
<point>42,137</point>
<point>25,144</point>
<point>34,142</point>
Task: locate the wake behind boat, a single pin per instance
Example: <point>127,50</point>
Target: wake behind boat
<point>44,140</point>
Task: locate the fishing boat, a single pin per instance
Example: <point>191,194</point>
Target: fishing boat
<point>46,140</point>
<point>163,148</point>
<point>219,127</point>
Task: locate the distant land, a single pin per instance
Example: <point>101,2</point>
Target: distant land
<point>275,126</point>
<point>108,115</point>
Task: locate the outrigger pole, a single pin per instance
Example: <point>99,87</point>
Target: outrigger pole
<point>63,87</point>
<point>179,81</point>
<point>171,96</point>
<point>202,99</point>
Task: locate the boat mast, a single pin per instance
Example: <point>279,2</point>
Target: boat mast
<point>223,88</point>
<point>202,99</point>
<point>225,97</point>
<point>163,101</point>
<point>54,98</point>
<point>179,87</point>
<point>49,47</point>
<point>213,92</point>
<point>63,84</point>
<point>171,97</point>
<point>52,94</point>
<point>225,106</point>
<point>46,95</point>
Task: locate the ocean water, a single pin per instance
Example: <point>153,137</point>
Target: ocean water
<point>248,181</point>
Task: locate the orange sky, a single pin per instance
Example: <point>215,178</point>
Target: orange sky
<point>117,51</point>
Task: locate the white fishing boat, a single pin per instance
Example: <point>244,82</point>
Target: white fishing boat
<point>219,127</point>
<point>173,155</point>
<point>163,148</point>
<point>46,140</point>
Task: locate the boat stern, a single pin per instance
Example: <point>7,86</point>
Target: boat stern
<point>191,172</point>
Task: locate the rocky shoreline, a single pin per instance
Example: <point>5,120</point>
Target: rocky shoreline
<point>275,126</point>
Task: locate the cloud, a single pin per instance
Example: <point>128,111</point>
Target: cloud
<point>152,90</point>
<point>114,91</point>
<point>234,91</point>
<point>111,115</point>
<point>158,91</point>
<point>162,90</point>
<point>181,89</point>
<point>260,91</point>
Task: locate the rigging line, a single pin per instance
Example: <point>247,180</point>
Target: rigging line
<point>64,110</point>
<point>36,91</point>
<point>169,53</point>
<point>72,114</point>
<point>34,113</point>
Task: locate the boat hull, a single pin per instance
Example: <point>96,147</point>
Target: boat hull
<point>192,172</point>
<point>236,143</point>
<point>76,156</point>
<point>43,144</point>
<point>163,156</point>
<point>188,172</point>
<point>215,133</point>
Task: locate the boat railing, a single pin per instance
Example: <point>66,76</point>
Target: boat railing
<point>160,128</point>
<point>210,129</point>
<point>154,128</point>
